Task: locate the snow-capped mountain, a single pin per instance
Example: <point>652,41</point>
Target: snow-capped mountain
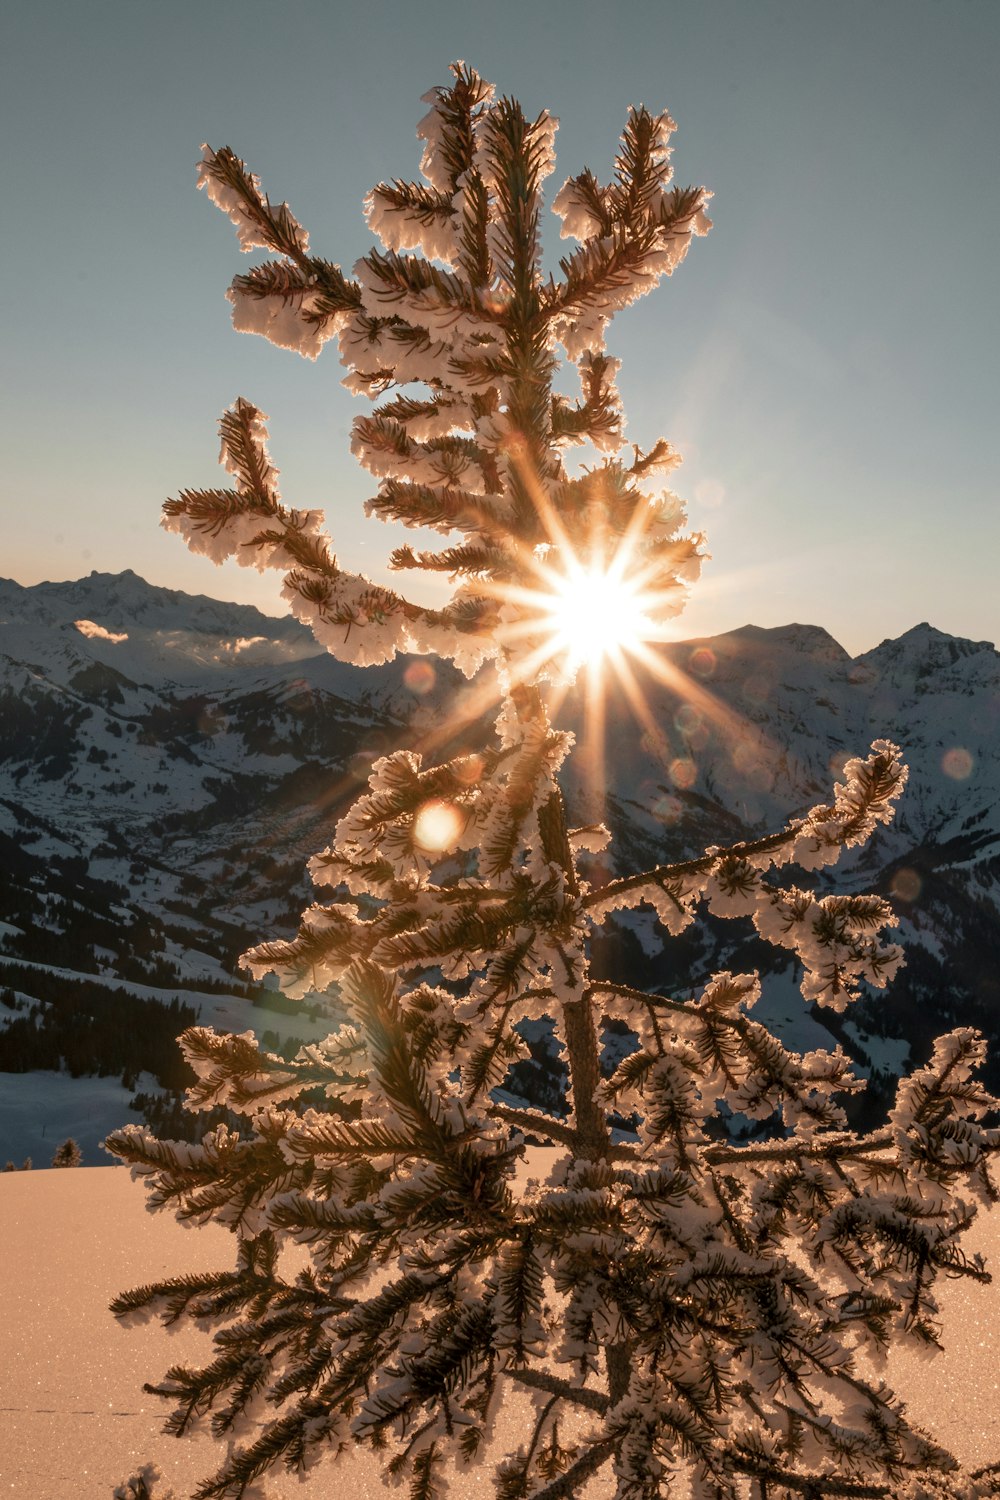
<point>168,763</point>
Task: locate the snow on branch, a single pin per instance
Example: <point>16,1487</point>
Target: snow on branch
<point>681,1295</point>
<point>356,620</point>
<point>834,937</point>
<point>463,319</point>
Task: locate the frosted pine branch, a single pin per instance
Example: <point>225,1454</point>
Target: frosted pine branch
<point>680,1307</point>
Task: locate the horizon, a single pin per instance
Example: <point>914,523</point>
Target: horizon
<point>559,1010</point>
<point>823,362</point>
<point>675,639</point>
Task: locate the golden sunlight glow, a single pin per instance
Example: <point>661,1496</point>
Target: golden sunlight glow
<point>437,826</point>
<point>595,614</point>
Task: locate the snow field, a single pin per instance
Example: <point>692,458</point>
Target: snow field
<point>74,1419</point>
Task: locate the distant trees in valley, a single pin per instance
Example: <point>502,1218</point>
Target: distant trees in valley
<point>91,1028</point>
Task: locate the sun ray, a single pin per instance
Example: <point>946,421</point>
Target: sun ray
<point>593,733</point>
<point>728,721</point>
<point>587,604</point>
<point>637,700</point>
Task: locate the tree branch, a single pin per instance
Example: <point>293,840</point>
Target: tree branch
<point>579,1395</point>
<point>692,866</point>
<point>529,1119</point>
<point>841,1147</point>
<point>567,1486</point>
<point>813,1486</point>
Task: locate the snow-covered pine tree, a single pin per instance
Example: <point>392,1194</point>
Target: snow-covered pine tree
<point>667,1306</point>
<point>68,1154</point>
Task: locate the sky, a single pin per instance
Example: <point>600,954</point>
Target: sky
<point>826,360</point>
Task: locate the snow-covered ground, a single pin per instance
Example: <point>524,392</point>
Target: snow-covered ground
<point>39,1109</point>
<point>75,1421</point>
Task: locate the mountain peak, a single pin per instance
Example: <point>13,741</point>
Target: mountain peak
<point>125,600</point>
<point>924,649</point>
<point>808,640</point>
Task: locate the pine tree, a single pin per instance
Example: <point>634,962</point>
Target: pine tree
<point>68,1154</point>
<point>655,1301</point>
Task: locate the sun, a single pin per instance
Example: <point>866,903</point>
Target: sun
<point>595,613</point>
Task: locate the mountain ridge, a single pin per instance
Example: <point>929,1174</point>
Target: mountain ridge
<point>129,591</point>
<point>190,755</point>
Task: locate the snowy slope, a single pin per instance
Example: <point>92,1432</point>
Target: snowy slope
<point>41,1108</point>
<point>745,727</point>
<point>169,762</point>
<point>74,1419</point>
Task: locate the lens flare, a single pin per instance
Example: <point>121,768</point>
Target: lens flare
<point>469,769</point>
<point>906,884</point>
<point>957,763</point>
<point>420,677</point>
<point>437,826</point>
<point>702,662</point>
<point>683,773</point>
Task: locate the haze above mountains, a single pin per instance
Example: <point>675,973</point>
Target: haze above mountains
<point>169,762</point>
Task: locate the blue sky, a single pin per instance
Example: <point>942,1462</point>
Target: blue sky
<point>826,359</point>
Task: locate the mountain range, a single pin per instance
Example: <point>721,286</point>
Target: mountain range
<point>169,762</point>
